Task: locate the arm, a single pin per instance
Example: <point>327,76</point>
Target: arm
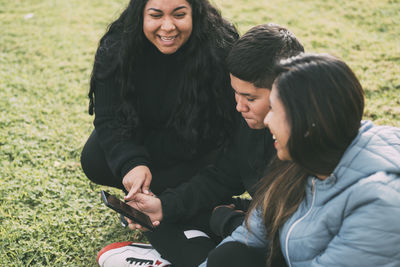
<point>370,232</point>
<point>216,184</point>
<point>226,218</point>
<point>210,187</point>
<point>253,237</point>
<point>122,155</point>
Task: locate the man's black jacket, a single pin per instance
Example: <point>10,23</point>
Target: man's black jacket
<point>237,170</point>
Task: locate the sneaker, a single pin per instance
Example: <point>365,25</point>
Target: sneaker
<point>128,254</point>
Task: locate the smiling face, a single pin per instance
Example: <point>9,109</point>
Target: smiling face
<point>167,24</point>
<point>252,102</point>
<point>278,124</point>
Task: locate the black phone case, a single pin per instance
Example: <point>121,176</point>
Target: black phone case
<point>127,211</point>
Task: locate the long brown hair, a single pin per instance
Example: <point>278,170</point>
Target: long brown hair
<point>324,104</point>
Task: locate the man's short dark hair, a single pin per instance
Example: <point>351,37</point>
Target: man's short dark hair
<point>254,55</point>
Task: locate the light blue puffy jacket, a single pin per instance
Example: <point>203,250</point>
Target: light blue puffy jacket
<point>352,218</point>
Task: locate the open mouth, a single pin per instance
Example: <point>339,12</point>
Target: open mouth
<point>167,38</point>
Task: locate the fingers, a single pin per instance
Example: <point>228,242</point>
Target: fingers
<point>240,211</point>
<point>136,226</point>
<point>231,206</point>
<point>137,180</point>
<point>132,192</point>
<point>146,186</point>
<point>137,199</point>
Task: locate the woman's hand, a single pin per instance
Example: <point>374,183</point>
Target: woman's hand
<point>148,204</point>
<point>137,180</point>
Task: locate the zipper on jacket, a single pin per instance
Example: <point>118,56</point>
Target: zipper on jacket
<point>299,220</point>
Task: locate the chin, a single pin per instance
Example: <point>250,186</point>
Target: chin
<point>284,156</point>
<point>256,126</point>
<point>168,51</point>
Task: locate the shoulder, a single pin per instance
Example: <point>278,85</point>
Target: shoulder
<point>107,54</point>
<point>109,45</point>
<point>224,37</point>
<point>381,184</point>
<point>375,198</point>
<point>377,138</point>
<point>376,149</point>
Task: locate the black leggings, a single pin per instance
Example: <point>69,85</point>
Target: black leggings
<point>171,242</point>
<point>95,166</point>
<point>232,254</point>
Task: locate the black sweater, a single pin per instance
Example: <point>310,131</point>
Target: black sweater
<point>156,144</point>
<point>237,170</point>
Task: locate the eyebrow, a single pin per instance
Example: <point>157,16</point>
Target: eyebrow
<point>243,94</point>
<point>159,10</point>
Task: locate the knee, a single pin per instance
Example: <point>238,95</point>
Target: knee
<point>85,158</point>
<point>235,254</point>
<point>222,255</point>
<point>92,158</point>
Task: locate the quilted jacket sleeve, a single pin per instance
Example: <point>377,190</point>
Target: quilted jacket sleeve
<point>370,232</point>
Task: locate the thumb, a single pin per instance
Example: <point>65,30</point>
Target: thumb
<point>146,186</point>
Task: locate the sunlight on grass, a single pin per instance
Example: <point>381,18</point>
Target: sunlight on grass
<point>50,214</point>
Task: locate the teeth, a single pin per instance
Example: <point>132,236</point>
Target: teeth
<point>273,137</point>
<point>164,38</point>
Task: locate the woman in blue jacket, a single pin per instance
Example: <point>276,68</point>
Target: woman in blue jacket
<point>332,197</point>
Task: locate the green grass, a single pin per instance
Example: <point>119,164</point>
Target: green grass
<point>50,215</point>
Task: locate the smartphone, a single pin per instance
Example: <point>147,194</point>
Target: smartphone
<point>126,210</point>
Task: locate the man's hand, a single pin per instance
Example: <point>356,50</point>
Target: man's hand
<point>230,206</point>
<point>149,205</point>
<point>225,219</point>
<point>137,180</point>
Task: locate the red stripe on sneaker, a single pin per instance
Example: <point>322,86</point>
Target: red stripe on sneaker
<point>112,246</point>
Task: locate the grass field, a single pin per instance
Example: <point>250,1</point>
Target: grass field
<point>50,215</point>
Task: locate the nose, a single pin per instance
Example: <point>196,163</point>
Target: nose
<point>241,105</point>
<point>167,24</point>
<point>266,120</point>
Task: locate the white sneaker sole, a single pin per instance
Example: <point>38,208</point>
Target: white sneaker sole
<point>128,254</point>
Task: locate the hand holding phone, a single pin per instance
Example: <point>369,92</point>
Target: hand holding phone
<point>126,210</point>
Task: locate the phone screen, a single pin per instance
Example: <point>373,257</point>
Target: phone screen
<point>126,210</point>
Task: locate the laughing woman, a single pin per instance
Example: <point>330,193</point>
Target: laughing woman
<point>333,196</point>
<point>161,97</point>
<point>160,94</point>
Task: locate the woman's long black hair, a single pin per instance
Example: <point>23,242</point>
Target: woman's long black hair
<point>324,104</point>
<point>205,108</point>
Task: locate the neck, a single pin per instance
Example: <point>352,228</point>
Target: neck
<point>322,177</point>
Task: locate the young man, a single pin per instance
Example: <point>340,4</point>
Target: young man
<point>183,236</point>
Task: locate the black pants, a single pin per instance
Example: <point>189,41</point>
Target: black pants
<point>95,166</point>
<point>171,242</point>
<point>232,254</point>
<point>168,239</point>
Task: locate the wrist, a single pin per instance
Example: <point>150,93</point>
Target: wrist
<point>160,211</point>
